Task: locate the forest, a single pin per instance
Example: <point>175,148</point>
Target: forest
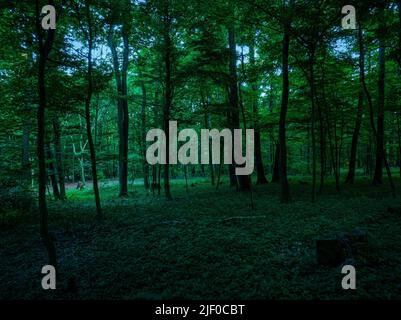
<point>82,83</point>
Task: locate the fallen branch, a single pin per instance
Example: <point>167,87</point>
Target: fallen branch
<point>243,217</point>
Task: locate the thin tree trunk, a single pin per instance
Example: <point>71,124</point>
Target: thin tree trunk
<point>355,136</point>
<point>26,164</point>
<point>186,178</point>
<point>375,134</point>
<point>399,141</point>
<point>168,94</point>
<point>122,105</point>
<point>207,126</point>
<point>351,171</point>
<point>87,113</point>
<point>322,142</point>
<point>145,166</point>
<point>52,172</point>
<point>378,176</point>
<point>260,170</point>
<point>285,192</point>
<point>59,157</point>
<point>124,120</point>
<point>44,51</point>
<point>243,181</point>
<point>312,90</point>
<point>276,173</point>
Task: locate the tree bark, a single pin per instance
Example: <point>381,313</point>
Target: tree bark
<point>276,173</point>
<point>122,106</point>
<point>399,141</point>
<point>168,94</point>
<point>145,166</point>
<point>285,191</point>
<point>260,170</point>
<point>313,95</point>
<point>52,172</point>
<point>375,134</point>
<point>26,164</point>
<point>44,51</point>
<point>378,176</point>
<point>88,99</point>
<point>59,157</point>
<point>243,181</point>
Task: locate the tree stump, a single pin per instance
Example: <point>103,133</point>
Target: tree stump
<point>80,185</point>
<point>336,250</point>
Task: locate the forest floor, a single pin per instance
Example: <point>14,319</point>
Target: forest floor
<point>205,244</point>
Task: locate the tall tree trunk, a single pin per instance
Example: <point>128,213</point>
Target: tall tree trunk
<point>375,134</point>
<point>26,164</point>
<point>82,166</point>
<point>59,157</point>
<point>399,141</point>
<point>399,35</point>
<point>312,93</point>
<point>145,166</point>
<point>333,152</point>
<point>285,191</point>
<point>276,173</point>
<point>44,51</point>
<point>52,172</point>
<point>122,105</point>
<point>355,136</point>
<point>207,126</point>
<point>124,119</point>
<point>322,142</point>
<point>168,94</point>
<point>378,176</point>
<point>351,170</point>
<point>243,181</point>
<point>87,113</point>
<point>260,170</point>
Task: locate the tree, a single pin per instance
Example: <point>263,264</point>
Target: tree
<point>89,34</point>
<point>285,192</point>
<point>120,73</point>
<point>45,46</point>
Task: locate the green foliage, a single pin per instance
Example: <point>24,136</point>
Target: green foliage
<point>207,245</point>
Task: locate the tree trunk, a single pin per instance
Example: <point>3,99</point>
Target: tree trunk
<point>399,36</point>
<point>351,171</point>
<point>44,50</point>
<point>260,170</point>
<point>26,164</point>
<point>59,157</point>
<point>207,126</point>
<point>52,172</point>
<point>122,105</point>
<point>124,120</point>
<point>243,181</point>
<point>378,176</point>
<point>312,93</point>
<point>87,113</point>
<point>399,141</point>
<point>276,173</point>
<point>168,94</point>
<point>145,166</point>
<point>375,134</point>
<point>322,141</point>
<point>285,191</point>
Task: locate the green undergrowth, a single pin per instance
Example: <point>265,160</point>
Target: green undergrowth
<point>205,244</point>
